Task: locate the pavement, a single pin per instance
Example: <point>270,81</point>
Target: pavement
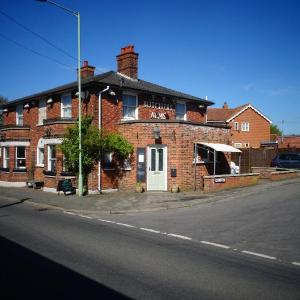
<point>128,202</point>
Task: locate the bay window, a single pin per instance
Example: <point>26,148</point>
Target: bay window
<point>19,114</point>
<point>20,162</point>
<point>180,111</point>
<point>66,106</point>
<point>52,158</point>
<point>5,157</point>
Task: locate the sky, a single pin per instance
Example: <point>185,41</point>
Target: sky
<point>234,51</point>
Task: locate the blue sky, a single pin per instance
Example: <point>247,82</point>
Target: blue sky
<point>233,51</point>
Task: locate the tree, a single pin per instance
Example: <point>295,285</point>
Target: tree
<point>275,130</point>
<point>94,143</point>
<point>3,100</point>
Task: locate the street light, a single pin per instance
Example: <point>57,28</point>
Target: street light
<point>77,15</point>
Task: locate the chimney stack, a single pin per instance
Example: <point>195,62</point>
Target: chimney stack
<point>225,105</point>
<point>86,70</point>
<point>127,62</point>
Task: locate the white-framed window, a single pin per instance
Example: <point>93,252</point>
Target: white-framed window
<point>245,126</point>
<point>127,164</point>
<point>40,157</point>
<point>5,157</point>
<point>42,112</point>
<point>130,104</point>
<point>19,114</point>
<point>52,158</point>
<point>66,106</point>
<point>236,126</point>
<point>238,145</point>
<point>20,157</point>
<point>180,111</point>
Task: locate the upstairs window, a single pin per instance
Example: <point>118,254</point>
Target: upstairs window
<point>245,126</point>
<point>40,157</point>
<point>20,157</point>
<point>129,107</point>
<point>19,114</point>
<point>236,126</point>
<point>5,157</point>
<point>42,111</point>
<point>180,111</point>
<point>66,106</point>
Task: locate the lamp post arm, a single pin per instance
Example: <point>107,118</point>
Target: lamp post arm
<point>72,12</point>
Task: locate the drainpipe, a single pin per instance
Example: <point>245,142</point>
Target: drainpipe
<point>100,126</point>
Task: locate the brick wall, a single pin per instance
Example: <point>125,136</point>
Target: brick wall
<point>216,183</point>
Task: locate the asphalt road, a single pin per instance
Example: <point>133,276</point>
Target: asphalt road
<point>48,253</point>
<point>265,221</point>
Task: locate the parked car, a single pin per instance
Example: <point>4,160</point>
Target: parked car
<point>286,160</point>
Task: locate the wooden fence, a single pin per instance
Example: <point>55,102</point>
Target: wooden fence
<point>262,157</point>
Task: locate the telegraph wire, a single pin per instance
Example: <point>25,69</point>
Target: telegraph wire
<point>37,35</point>
<point>35,52</point>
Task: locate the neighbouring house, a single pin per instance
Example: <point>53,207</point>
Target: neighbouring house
<point>248,126</point>
<point>173,144</point>
<point>288,141</point>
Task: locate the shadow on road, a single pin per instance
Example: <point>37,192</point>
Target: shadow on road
<point>24,273</point>
<point>15,203</point>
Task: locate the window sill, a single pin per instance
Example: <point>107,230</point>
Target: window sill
<point>202,162</point>
<point>40,166</point>
<point>49,173</point>
<point>6,170</point>
<point>126,169</point>
<point>109,169</point>
<point>19,170</point>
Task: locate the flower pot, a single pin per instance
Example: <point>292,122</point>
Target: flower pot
<point>175,188</point>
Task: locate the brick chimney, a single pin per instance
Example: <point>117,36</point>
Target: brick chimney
<point>127,62</point>
<point>225,105</point>
<point>86,70</point>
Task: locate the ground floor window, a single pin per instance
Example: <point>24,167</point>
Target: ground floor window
<point>5,157</point>
<point>205,154</point>
<point>40,157</point>
<point>20,157</point>
<point>52,158</point>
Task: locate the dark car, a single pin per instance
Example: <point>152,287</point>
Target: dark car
<point>286,160</point>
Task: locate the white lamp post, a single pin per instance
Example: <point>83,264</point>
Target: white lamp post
<point>77,15</point>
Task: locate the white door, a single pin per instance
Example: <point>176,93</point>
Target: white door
<point>157,168</point>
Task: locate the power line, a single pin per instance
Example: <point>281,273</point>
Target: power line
<point>37,35</point>
<point>35,52</point>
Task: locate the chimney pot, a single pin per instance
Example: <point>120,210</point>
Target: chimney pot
<point>85,63</point>
<point>86,70</point>
<point>225,105</point>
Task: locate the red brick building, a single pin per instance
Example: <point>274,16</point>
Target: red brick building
<point>248,126</point>
<point>163,125</point>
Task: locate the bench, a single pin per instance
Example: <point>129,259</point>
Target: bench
<point>65,186</point>
<point>36,184</point>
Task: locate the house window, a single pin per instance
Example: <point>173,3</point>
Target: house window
<point>236,125</point>
<point>66,106</point>
<point>245,126</point>
<point>52,158</point>
<point>19,114</point>
<point>246,145</point>
<point>129,107</point>
<point>108,157</point>
<point>180,111</point>
<point>5,157</point>
<point>40,157</point>
<point>20,157</point>
<point>42,111</point>
<point>205,154</point>
<point>238,145</point>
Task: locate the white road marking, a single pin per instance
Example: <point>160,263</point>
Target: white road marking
<point>150,230</point>
<point>83,216</point>
<point>126,225</point>
<point>69,213</point>
<point>215,244</point>
<point>258,254</point>
<point>296,263</point>
<point>107,221</point>
<point>180,236</point>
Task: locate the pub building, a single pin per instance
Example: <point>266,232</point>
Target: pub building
<point>173,143</point>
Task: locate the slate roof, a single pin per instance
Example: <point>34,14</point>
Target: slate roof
<point>118,80</point>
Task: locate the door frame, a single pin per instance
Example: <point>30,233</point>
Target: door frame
<point>165,164</point>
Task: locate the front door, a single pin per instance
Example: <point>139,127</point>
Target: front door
<point>157,168</point>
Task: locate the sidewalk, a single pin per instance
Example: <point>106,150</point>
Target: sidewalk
<point>128,202</point>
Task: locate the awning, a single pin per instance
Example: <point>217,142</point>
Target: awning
<point>219,147</point>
